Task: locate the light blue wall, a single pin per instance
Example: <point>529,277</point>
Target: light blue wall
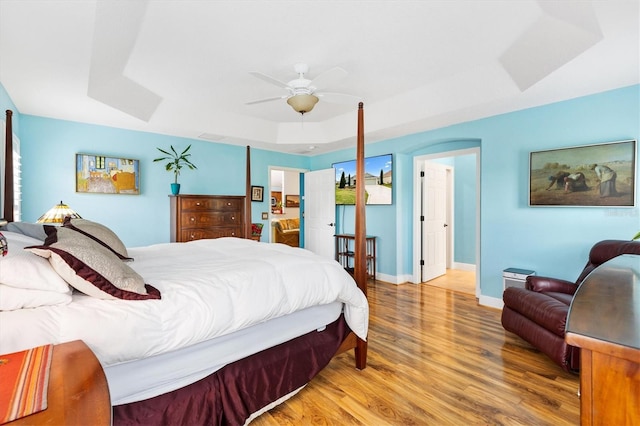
<point>464,216</point>
<point>552,241</point>
<point>48,152</point>
<point>465,209</point>
<point>5,104</point>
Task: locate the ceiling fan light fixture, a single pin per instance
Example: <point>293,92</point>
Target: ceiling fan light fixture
<point>302,103</point>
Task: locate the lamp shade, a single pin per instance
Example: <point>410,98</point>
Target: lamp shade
<point>57,213</point>
<point>302,103</point>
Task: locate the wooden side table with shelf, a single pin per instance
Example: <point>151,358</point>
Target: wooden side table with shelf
<point>345,254</point>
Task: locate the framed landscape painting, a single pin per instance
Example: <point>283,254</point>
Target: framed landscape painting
<point>378,180</point>
<point>601,175</point>
<point>107,175</point>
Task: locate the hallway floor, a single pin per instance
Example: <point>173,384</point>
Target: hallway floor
<point>456,280</point>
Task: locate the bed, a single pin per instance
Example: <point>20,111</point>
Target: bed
<point>221,339</point>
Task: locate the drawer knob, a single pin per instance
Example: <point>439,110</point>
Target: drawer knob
<point>198,203</point>
<point>228,204</point>
<point>192,237</point>
<point>192,219</point>
<point>233,234</point>
<point>233,218</point>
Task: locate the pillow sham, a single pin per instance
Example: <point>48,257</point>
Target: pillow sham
<point>99,233</point>
<point>21,269</point>
<point>34,230</point>
<point>92,268</point>
<point>13,298</point>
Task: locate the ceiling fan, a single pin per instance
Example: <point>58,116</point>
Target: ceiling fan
<point>302,93</point>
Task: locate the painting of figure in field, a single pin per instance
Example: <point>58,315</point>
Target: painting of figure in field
<point>600,175</point>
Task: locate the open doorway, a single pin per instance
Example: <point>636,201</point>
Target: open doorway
<point>451,241</point>
<point>284,211</point>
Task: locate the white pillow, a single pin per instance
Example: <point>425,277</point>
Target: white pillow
<point>13,298</point>
<point>22,269</point>
<point>92,268</point>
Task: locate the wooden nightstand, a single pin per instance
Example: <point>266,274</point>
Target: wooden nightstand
<point>78,393</point>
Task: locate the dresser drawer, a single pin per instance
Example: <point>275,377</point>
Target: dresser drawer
<point>199,234</point>
<point>206,204</point>
<point>198,220</point>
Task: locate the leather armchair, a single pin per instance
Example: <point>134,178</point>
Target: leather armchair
<point>538,312</point>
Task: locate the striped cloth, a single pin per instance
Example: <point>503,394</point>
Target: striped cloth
<point>25,377</point>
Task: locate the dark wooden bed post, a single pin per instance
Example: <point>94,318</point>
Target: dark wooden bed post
<point>247,199</point>
<point>8,170</point>
<point>360,260</point>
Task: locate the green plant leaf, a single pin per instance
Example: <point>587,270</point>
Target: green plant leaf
<point>176,161</point>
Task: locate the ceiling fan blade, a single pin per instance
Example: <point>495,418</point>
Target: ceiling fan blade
<point>338,98</point>
<point>269,79</point>
<point>259,101</point>
<point>328,77</point>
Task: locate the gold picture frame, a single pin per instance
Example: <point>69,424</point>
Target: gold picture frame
<point>102,174</point>
<point>599,175</point>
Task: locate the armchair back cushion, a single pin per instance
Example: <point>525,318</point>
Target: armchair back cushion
<point>606,250</point>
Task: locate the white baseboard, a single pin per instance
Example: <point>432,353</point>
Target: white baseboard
<point>492,302</point>
<point>393,279</point>
<point>464,266</point>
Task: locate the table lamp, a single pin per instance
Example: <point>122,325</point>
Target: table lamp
<point>57,213</point>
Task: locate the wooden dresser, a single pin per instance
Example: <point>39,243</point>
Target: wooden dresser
<point>604,322</point>
<point>194,217</point>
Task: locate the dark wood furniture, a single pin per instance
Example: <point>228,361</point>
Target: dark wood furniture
<point>78,393</point>
<point>194,217</point>
<point>8,170</point>
<point>603,322</point>
<point>345,253</point>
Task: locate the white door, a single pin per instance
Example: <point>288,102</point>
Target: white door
<point>434,210</point>
<point>320,212</point>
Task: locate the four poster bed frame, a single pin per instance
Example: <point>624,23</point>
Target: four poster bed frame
<point>175,406</point>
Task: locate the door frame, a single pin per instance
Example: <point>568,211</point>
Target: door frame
<point>417,194</point>
<point>268,197</point>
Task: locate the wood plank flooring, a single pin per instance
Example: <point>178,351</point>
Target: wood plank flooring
<point>456,280</point>
<point>435,358</point>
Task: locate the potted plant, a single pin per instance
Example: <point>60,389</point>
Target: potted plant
<point>176,162</point>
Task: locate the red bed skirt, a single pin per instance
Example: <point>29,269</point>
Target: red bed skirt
<point>230,395</point>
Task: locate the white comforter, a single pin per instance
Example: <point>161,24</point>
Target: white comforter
<point>209,288</point>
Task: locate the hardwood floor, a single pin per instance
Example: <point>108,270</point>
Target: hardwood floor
<point>456,280</point>
<point>435,358</point>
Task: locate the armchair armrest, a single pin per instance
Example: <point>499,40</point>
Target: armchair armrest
<point>540,284</point>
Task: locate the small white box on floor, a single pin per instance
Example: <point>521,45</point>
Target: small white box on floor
<point>515,277</point>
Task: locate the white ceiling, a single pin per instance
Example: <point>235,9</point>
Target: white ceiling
<point>182,67</point>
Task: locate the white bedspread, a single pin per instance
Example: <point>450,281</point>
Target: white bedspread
<point>209,288</point>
